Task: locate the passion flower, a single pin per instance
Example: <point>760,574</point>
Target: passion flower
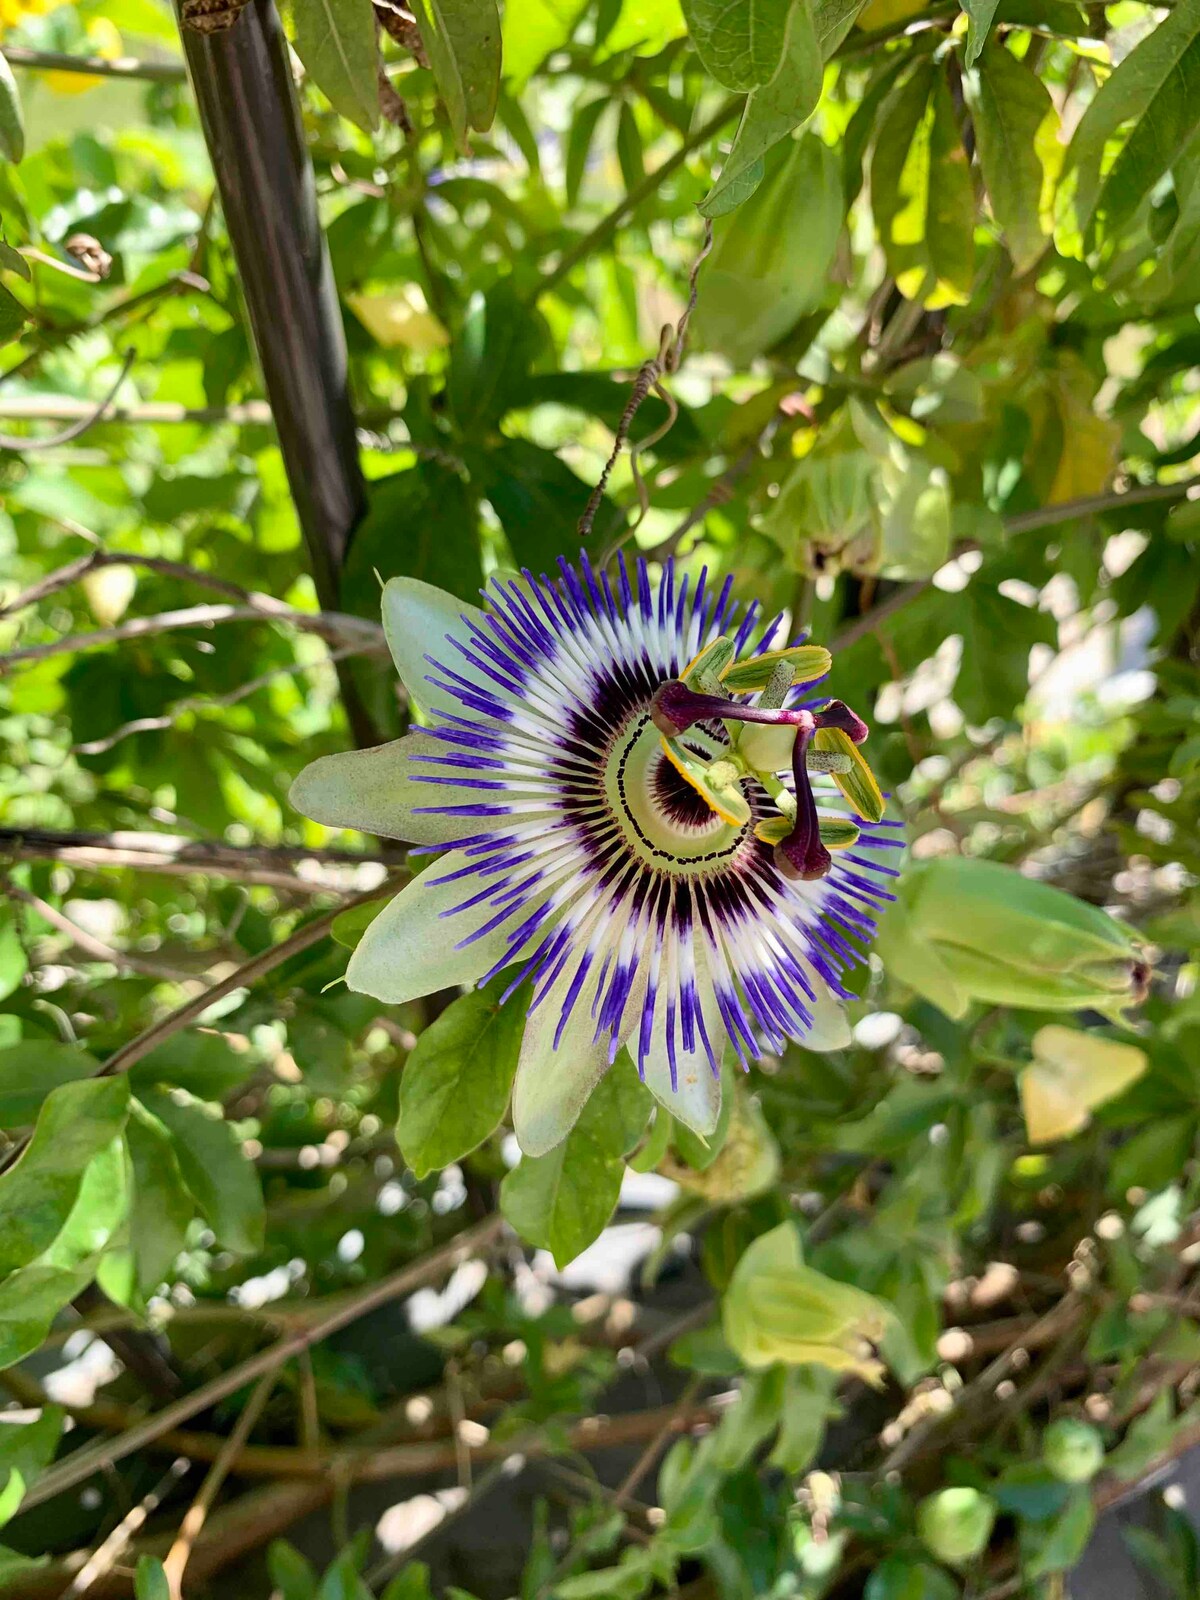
<point>646,816</point>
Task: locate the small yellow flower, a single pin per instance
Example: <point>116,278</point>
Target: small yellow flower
<point>102,40</point>
<point>13,12</point>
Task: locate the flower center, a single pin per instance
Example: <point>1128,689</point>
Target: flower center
<point>800,851</point>
<point>665,822</point>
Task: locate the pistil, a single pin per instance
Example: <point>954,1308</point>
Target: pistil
<point>800,855</point>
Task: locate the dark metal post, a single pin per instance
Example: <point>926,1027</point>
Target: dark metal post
<point>251,120</point>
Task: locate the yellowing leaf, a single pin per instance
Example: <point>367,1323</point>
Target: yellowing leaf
<point>1072,1073</point>
<point>1090,443</point>
<point>883,13</point>
<point>400,317</point>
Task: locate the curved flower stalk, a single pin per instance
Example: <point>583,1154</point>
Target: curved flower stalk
<point>643,818</point>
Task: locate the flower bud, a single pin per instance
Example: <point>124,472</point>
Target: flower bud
<point>778,1309</point>
<point>964,930</point>
<point>1073,1450</point>
<point>956,1524</point>
<point>1072,1073</point>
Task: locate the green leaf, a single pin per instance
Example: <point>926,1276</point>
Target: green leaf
<point>349,926</point>
<point>997,634</point>
<point>30,1447</point>
<point>13,961</point>
<point>833,20</point>
<point>30,1299</point>
<point>421,523</point>
<point>14,261</point>
<point>898,1578</point>
<point>99,1210</point>
<point>772,112</point>
<point>1154,91</point>
<point>807,1406</point>
<point>205,1064</point>
<point>341,1580</point>
<point>12,126</point>
<point>463,41</point>
<point>162,1206</point>
<point>538,500</point>
<point>291,1573</point>
<point>12,316</point>
<point>532,31</point>
<point>1058,1547</point>
<point>500,340</point>
<point>31,1069</point>
<point>741,44</point>
<point>1016,127</point>
<point>629,147</point>
<point>457,1080</point>
<point>11,1496</point>
<point>223,1181</point>
<point>921,193</point>
<point>980,16</point>
<point>39,1192</point>
<point>579,144</point>
<point>335,39</point>
<point>770,261</point>
<point>150,1580</point>
<point>410,1584</point>
<point>562,1201</point>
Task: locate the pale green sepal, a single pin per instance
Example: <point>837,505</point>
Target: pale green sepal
<point>409,949</point>
<point>418,620</point>
<point>380,790</point>
<point>778,1309</point>
<point>552,1085</point>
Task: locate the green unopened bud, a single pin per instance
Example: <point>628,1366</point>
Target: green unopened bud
<point>956,1524</point>
<point>964,930</point>
<point>778,1309</point>
<point>1072,1073</point>
<point>1073,1450</point>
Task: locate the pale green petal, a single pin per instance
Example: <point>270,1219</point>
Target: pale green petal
<point>697,1100</point>
<point>409,949</point>
<point>830,1027</point>
<point>378,791</point>
<point>552,1086</point>
<point>418,620</point>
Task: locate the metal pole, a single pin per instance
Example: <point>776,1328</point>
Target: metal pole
<point>251,120</point>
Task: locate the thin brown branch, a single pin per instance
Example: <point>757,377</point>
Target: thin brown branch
<point>1025,522</point>
<point>176,855</point>
<point>307,935</point>
<point>94,414</point>
<point>107,1555</point>
<point>197,1513</point>
<point>19,55</point>
<point>329,624</point>
<point>89,944</point>
<point>204,702</point>
<point>82,1464</point>
<point>604,230</point>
